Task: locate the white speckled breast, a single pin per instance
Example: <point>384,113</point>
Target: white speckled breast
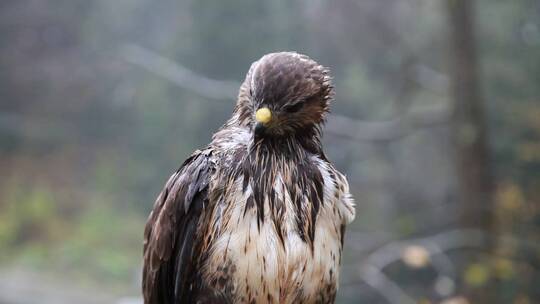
<point>257,267</point>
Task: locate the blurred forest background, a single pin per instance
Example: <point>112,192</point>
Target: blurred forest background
<point>436,124</point>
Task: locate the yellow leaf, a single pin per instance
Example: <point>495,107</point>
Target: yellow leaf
<point>510,197</point>
<point>504,268</point>
<point>476,275</point>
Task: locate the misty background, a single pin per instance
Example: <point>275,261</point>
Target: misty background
<point>436,124</point>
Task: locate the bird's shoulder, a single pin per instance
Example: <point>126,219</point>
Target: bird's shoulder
<point>190,178</point>
<point>230,138</point>
<point>171,230</point>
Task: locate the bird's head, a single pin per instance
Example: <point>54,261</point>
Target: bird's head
<point>285,94</point>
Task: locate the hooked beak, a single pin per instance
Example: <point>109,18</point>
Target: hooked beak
<point>259,129</point>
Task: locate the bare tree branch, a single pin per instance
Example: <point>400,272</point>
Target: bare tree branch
<point>387,288</point>
<point>459,238</point>
<point>371,271</point>
<point>179,75</point>
<point>339,125</point>
<point>387,130</point>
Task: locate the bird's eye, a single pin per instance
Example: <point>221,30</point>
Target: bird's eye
<point>293,108</point>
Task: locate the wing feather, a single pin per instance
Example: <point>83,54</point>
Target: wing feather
<point>171,234</point>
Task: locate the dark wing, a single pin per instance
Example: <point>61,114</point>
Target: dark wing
<point>170,236</point>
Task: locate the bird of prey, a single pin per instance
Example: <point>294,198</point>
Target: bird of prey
<point>259,215</point>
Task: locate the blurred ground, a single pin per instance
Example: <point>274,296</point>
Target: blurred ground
<point>20,286</point>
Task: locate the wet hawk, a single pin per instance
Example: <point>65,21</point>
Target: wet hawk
<point>258,216</point>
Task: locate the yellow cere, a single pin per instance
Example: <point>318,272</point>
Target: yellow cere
<point>263,115</point>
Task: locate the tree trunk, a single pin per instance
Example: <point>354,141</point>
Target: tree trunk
<point>474,171</point>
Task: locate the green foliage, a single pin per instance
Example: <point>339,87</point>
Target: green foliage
<point>27,216</point>
<point>96,242</point>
